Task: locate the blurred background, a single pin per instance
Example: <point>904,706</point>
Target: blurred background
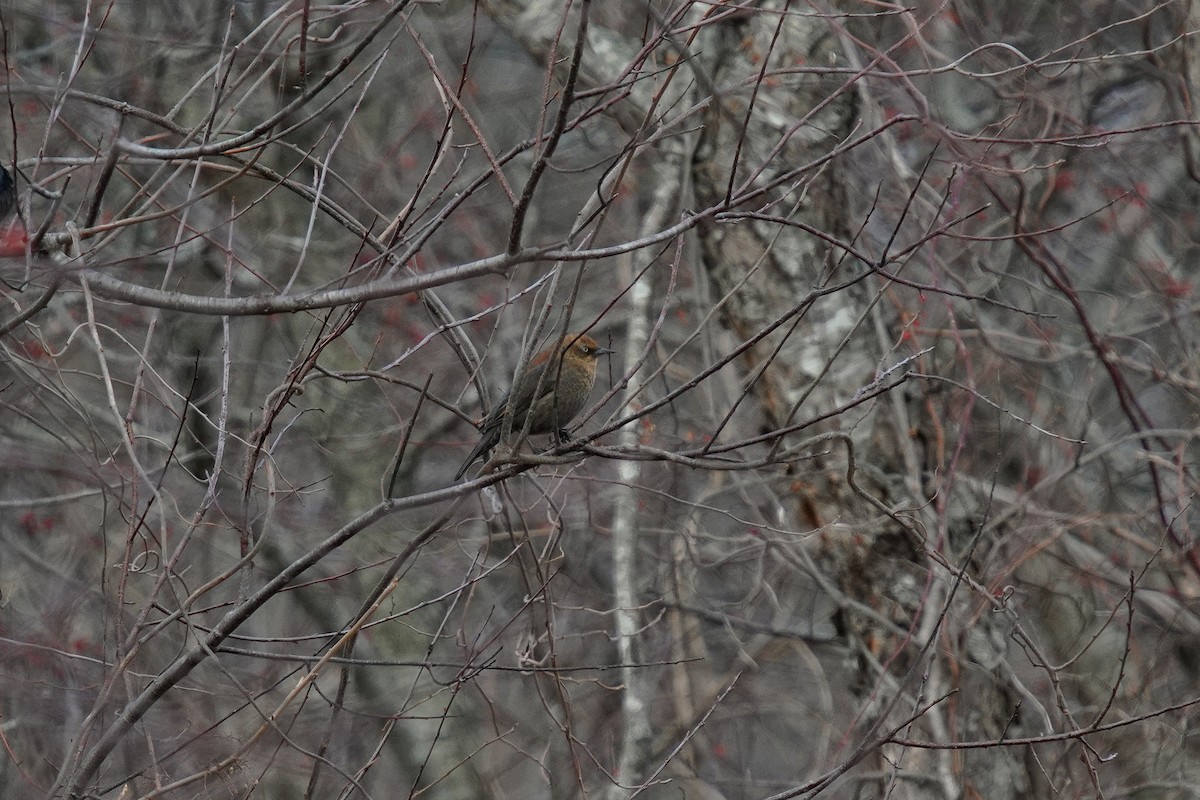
<point>886,490</point>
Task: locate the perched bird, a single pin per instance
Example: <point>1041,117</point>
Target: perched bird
<point>8,193</point>
<point>552,391</point>
<point>13,238</point>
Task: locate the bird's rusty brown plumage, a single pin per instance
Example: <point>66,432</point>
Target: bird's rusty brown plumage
<point>552,391</point>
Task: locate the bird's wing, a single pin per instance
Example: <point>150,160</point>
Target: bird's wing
<point>533,383</point>
<point>525,398</point>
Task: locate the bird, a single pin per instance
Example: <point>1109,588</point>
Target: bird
<point>13,238</point>
<point>554,388</point>
<point>8,193</point>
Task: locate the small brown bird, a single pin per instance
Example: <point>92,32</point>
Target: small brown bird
<point>549,402</point>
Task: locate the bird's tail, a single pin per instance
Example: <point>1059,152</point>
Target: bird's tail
<point>487,441</point>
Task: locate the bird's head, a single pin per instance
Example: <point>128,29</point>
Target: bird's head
<point>582,348</point>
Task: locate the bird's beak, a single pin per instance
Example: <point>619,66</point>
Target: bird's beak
<point>603,351</point>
